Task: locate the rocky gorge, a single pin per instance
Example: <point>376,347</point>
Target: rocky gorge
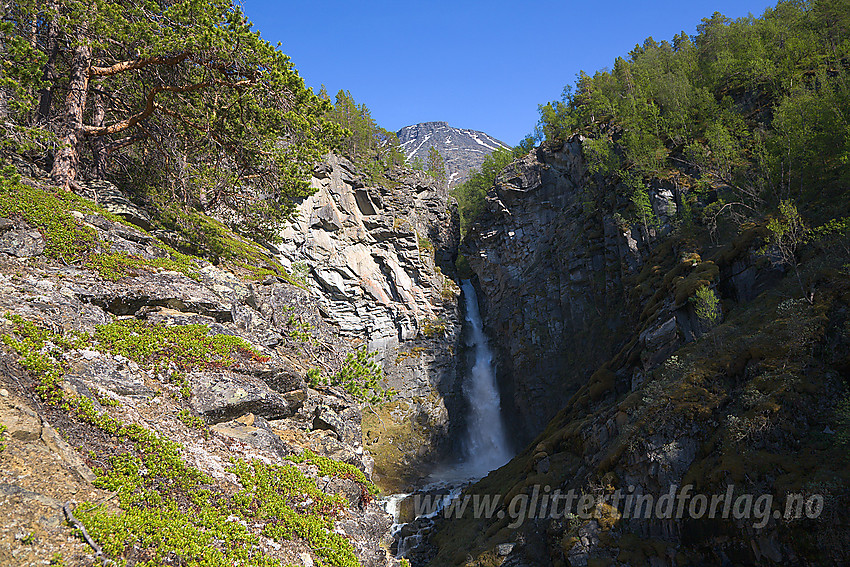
<point>613,385</point>
<point>607,377</point>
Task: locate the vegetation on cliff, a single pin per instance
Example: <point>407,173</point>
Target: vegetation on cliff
<point>180,98</point>
<point>717,168</point>
<point>759,104</point>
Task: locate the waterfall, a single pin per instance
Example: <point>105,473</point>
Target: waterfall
<point>485,444</point>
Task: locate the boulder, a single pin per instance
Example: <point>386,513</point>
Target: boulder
<point>23,243</point>
<point>223,395</point>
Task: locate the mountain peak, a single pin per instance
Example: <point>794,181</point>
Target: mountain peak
<point>461,149</point>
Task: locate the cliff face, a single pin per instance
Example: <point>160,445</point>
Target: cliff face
<point>371,256</point>
<point>551,283</point>
<point>625,391</point>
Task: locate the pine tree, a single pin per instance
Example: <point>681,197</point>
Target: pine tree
<point>183,92</point>
<point>435,166</point>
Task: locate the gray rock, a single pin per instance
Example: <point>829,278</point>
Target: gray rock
<point>462,150</point>
<point>221,396</point>
<point>165,289</point>
<point>113,200</point>
<point>325,418</point>
<point>106,373</point>
<point>255,431</point>
<point>22,243</point>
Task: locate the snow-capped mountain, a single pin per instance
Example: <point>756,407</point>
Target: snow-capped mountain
<point>462,150</point>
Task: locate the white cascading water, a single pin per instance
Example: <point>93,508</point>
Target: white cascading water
<point>486,444</point>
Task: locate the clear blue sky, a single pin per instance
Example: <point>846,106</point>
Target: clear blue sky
<point>484,65</point>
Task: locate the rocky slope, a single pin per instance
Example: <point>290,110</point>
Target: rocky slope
<point>138,382</point>
<point>624,389</point>
<point>462,150</point>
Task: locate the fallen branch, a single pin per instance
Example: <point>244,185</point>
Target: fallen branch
<point>98,552</point>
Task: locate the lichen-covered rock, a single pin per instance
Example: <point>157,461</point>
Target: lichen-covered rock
<point>105,362</point>
<point>220,396</point>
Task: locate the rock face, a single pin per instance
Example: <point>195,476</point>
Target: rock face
<point>255,407</point>
<point>547,272</point>
<point>372,257</point>
<point>621,389</point>
<point>462,150</point>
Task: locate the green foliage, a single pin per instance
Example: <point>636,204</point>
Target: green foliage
<point>471,194</point>
<point>50,212</point>
<point>115,265</point>
<point>707,100</point>
<point>435,166</point>
<point>642,210</point>
<point>373,148</point>
<point>270,496</point>
<point>707,306</point>
<point>314,377</point>
<point>360,376</point>
<point>600,156</point>
<point>70,240</point>
<point>298,329</point>
<point>183,346</point>
<point>424,244</point>
<point>787,231</point>
<point>2,433</point>
<point>192,100</point>
<point>330,467</point>
<point>205,236</point>
<point>168,511</point>
<point>434,328</point>
<point>174,350</point>
<point>31,343</point>
<point>193,421</point>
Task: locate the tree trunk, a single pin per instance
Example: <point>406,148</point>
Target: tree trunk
<point>45,95</point>
<point>4,95</point>
<point>66,160</point>
<point>98,146</point>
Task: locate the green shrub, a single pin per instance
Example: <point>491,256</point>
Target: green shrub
<point>360,376</point>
